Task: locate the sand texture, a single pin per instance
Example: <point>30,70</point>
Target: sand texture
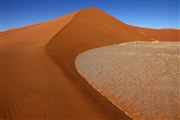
<point>141,78</point>
<point>39,79</point>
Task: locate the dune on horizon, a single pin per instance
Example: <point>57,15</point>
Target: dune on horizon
<point>39,77</point>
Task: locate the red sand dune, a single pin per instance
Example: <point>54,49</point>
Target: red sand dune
<point>36,85</point>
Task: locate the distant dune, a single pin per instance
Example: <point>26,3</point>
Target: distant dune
<point>39,79</point>
<point>141,78</point>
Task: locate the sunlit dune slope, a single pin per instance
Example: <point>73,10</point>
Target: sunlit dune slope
<point>38,32</point>
<point>141,78</point>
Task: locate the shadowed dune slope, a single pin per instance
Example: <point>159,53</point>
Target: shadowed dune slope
<point>161,34</point>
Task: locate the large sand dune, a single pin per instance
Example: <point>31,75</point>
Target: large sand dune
<point>36,85</point>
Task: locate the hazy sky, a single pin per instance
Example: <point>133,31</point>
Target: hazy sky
<point>144,13</point>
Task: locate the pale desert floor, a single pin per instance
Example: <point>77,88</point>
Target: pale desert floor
<point>141,78</point>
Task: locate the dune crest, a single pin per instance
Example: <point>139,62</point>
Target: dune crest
<point>141,78</point>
